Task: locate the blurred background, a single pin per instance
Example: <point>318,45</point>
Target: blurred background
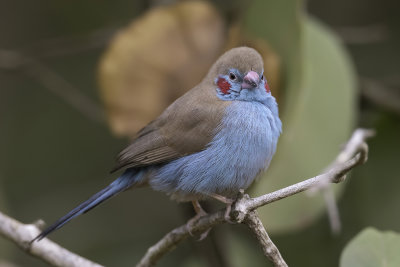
<point>78,79</point>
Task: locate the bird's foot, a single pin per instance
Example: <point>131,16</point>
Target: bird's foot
<point>192,221</point>
<point>199,213</point>
<point>228,202</point>
<point>228,213</point>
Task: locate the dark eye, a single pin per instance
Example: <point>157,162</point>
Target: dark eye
<point>232,76</point>
<point>262,77</point>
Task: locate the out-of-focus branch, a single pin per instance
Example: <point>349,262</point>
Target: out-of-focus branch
<point>52,81</point>
<point>46,250</point>
<point>325,186</point>
<point>68,45</point>
<point>7,264</point>
<point>332,210</point>
<point>367,34</point>
<point>242,211</point>
<point>387,97</point>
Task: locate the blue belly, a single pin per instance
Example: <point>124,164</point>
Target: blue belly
<point>241,149</point>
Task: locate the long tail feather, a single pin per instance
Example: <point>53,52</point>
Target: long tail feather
<point>122,183</point>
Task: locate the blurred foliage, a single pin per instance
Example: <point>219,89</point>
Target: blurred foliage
<point>53,157</point>
<point>156,59</point>
<point>372,248</point>
<point>174,46</point>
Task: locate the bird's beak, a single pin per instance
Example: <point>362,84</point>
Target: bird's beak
<point>251,80</point>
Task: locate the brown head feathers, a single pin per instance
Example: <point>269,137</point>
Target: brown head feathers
<point>243,59</point>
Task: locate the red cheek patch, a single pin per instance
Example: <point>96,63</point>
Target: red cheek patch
<point>223,85</point>
<point>267,87</point>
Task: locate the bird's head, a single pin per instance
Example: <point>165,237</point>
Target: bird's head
<point>238,75</point>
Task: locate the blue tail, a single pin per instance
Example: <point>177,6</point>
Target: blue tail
<point>125,181</point>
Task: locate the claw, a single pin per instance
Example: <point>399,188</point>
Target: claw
<point>199,213</point>
<point>227,213</point>
<point>204,234</point>
<point>228,202</point>
<point>190,223</point>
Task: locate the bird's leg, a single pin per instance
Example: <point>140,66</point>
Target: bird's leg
<point>198,209</point>
<point>228,202</point>
<point>199,213</point>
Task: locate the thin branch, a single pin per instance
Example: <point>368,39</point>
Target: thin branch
<point>243,211</point>
<point>332,210</point>
<point>325,187</point>
<point>46,250</point>
<point>381,94</point>
<point>69,45</point>
<point>360,35</point>
<point>170,240</point>
<point>66,91</point>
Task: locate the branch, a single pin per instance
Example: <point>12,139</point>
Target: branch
<point>354,153</point>
<point>381,94</point>
<point>361,35</point>
<point>243,211</point>
<point>332,210</point>
<point>46,250</point>
<point>71,44</point>
<point>349,150</point>
<point>269,249</point>
<point>170,240</point>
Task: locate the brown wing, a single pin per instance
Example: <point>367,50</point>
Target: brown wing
<point>185,127</point>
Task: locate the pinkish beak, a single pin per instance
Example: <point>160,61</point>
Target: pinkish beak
<point>251,80</point>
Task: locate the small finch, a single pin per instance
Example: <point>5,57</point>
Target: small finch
<point>210,143</point>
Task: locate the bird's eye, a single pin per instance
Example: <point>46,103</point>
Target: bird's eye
<point>262,77</point>
<point>232,76</point>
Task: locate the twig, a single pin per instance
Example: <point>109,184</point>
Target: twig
<point>385,96</point>
<point>69,45</point>
<point>332,210</point>
<point>359,35</point>
<point>348,151</point>
<point>170,240</point>
<point>46,250</point>
<point>243,211</point>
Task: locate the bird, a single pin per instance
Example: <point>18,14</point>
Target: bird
<point>210,143</point>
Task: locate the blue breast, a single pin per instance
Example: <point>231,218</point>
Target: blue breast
<point>242,147</point>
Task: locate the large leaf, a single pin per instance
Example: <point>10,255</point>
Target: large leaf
<point>280,24</point>
<point>372,248</point>
<point>318,110</point>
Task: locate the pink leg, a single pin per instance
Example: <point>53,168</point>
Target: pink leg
<point>228,202</point>
<point>199,213</point>
<point>198,209</point>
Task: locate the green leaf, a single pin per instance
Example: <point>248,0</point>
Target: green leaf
<point>372,248</point>
<point>317,116</point>
<point>280,24</point>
